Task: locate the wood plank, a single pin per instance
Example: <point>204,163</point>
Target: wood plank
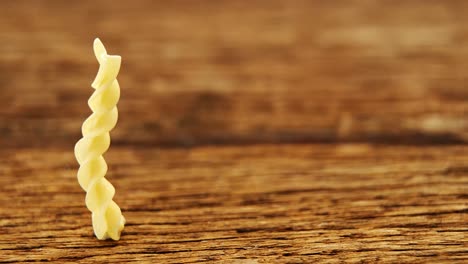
<point>223,72</point>
<point>222,77</point>
<point>251,204</point>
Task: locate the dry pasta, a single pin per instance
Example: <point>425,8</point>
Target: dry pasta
<point>108,221</point>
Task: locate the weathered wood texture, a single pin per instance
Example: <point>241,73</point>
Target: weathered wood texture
<point>373,94</point>
<point>201,72</point>
<point>265,204</point>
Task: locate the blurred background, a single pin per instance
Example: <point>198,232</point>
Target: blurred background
<point>238,72</point>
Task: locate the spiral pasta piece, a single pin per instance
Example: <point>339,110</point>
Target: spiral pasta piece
<point>108,221</point>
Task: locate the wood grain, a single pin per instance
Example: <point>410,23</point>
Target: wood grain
<point>250,204</point>
<point>228,72</point>
<point>258,131</point>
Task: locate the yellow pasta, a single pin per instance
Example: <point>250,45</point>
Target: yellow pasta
<point>108,221</point>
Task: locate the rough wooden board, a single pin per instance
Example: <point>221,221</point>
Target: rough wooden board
<point>204,72</point>
<point>240,73</point>
<point>264,203</point>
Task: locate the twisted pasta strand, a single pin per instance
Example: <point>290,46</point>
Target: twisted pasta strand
<point>108,221</point>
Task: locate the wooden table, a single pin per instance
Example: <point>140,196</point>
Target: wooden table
<point>249,132</point>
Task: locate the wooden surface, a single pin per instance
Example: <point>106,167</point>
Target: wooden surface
<point>249,131</point>
<point>265,204</point>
